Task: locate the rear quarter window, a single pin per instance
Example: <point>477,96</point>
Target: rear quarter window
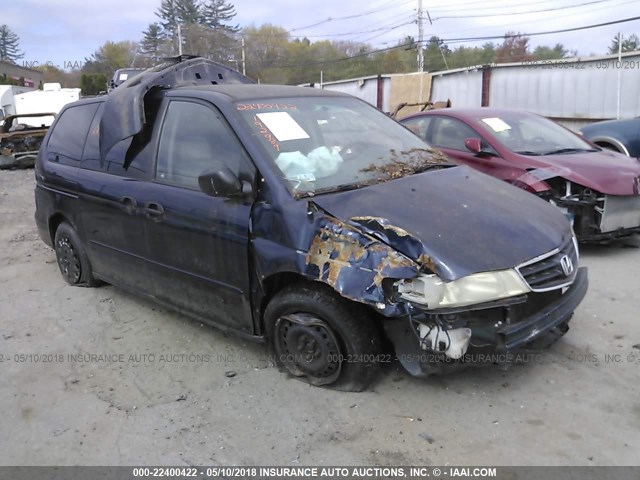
<point>70,132</point>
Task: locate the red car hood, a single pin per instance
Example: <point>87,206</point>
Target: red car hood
<point>605,171</point>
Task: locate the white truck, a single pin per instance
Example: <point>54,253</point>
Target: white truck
<point>26,116</point>
<point>50,99</point>
<point>7,102</point>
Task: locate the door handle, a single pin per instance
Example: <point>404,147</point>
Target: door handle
<point>154,210</point>
<point>128,204</point>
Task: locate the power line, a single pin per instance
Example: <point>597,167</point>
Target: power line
<point>391,25</point>
<point>348,17</point>
<point>510,26</point>
<point>387,22</point>
<point>368,39</point>
<point>454,40</point>
<point>343,34</point>
<point>534,34</point>
<point>565,7</point>
<point>465,6</point>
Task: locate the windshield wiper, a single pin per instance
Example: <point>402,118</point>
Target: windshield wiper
<point>527,152</point>
<point>333,189</point>
<point>570,150</point>
<point>429,166</point>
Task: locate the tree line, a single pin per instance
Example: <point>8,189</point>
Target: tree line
<point>271,54</point>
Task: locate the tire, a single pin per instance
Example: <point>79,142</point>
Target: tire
<point>72,259</point>
<point>319,337</point>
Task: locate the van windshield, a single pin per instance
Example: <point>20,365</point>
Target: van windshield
<point>322,144</point>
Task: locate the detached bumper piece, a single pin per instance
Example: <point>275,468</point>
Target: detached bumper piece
<point>496,332</point>
<point>608,236</point>
<point>22,160</point>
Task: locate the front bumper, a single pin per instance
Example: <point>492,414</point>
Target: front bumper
<point>546,323</point>
<point>517,335</point>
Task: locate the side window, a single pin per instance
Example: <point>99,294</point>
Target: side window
<point>114,163</point>
<point>451,133</point>
<point>419,126</point>
<point>68,137</point>
<point>195,138</point>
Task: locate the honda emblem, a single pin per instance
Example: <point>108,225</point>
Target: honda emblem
<point>567,265</point>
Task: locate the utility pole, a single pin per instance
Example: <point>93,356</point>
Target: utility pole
<point>420,38</point>
<point>179,40</point>
<point>244,58</point>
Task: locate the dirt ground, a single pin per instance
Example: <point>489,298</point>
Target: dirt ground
<point>163,389</point>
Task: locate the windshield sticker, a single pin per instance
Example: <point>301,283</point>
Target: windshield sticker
<point>265,106</point>
<point>283,126</point>
<point>123,76</point>
<point>497,124</point>
<point>264,131</point>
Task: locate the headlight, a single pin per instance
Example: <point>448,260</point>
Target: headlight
<point>432,292</point>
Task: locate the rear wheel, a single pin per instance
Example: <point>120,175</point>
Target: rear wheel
<point>321,338</point>
<point>72,259</point>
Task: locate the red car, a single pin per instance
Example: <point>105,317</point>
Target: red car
<point>598,189</point>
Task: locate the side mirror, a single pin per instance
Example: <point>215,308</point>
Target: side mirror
<point>473,144</point>
<point>220,183</point>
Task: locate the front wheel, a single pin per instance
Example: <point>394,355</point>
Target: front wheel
<point>72,260</point>
<point>321,338</point>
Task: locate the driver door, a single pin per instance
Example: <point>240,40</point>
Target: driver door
<point>198,244</point>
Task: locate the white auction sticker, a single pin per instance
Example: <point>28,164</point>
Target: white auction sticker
<point>497,124</point>
<point>283,126</point>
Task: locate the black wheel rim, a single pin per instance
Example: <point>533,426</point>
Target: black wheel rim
<point>307,347</point>
<point>68,259</point>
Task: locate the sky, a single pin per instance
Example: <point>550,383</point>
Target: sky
<point>65,32</point>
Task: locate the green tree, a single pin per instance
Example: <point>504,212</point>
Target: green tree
<point>110,57</point>
<point>9,45</point>
<point>515,48</point>
<point>168,15</point>
<point>628,44</point>
<point>266,52</point>
<point>217,14</point>
<point>548,53</point>
<point>154,43</point>
<point>188,12</point>
<point>93,83</point>
<point>434,53</point>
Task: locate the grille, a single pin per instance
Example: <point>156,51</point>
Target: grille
<point>553,270</point>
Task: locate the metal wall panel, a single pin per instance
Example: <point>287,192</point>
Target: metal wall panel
<point>366,89</point>
<point>583,90</point>
<point>463,88</point>
<point>588,91</point>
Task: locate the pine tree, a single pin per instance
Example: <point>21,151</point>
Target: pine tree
<point>188,12</point>
<point>9,45</point>
<point>168,16</point>
<point>217,13</point>
<point>629,44</point>
<point>152,42</point>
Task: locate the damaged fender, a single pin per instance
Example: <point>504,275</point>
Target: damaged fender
<point>355,265</point>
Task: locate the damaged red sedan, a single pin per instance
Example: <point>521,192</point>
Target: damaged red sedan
<point>599,190</point>
<point>304,218</point>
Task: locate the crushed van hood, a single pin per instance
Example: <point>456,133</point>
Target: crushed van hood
<point>454,221</point>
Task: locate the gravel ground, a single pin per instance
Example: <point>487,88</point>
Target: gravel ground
<point>172,391</point>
